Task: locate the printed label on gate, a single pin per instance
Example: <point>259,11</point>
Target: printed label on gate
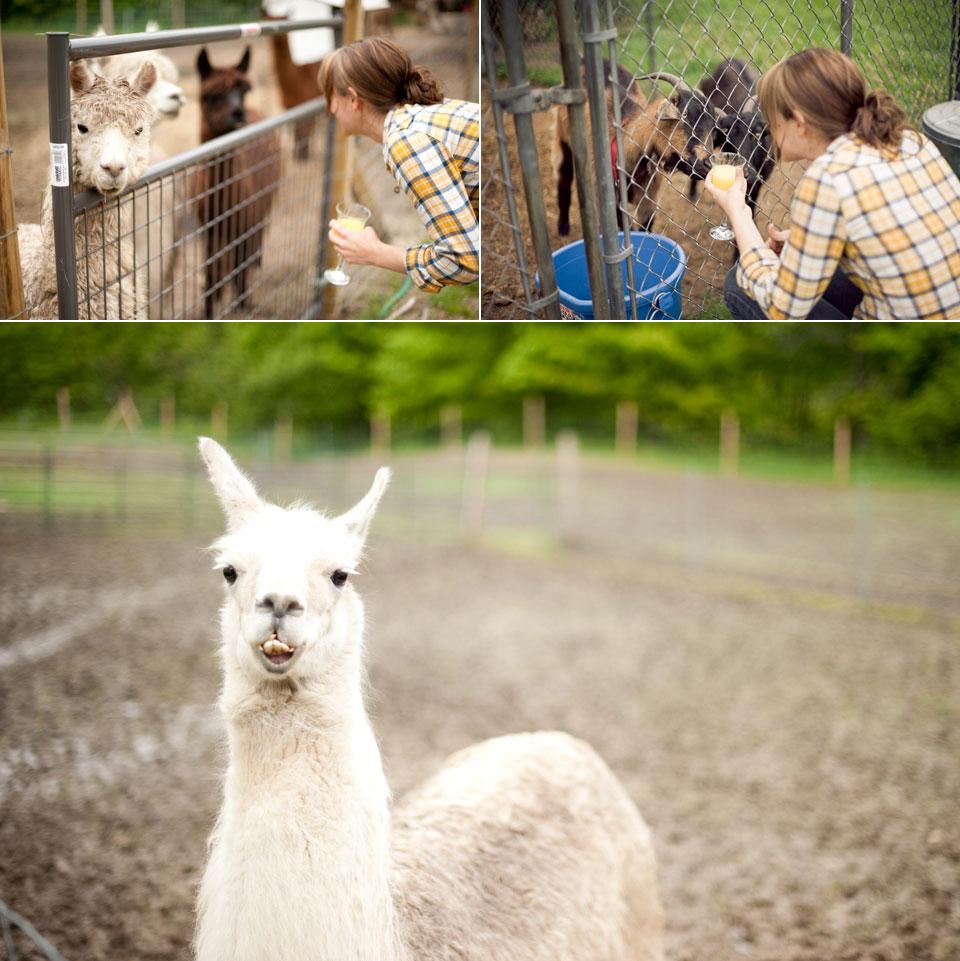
<point>59,165</point>
<point>250,30</point>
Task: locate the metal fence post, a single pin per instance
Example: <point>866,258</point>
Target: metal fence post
<point>529,162</point>
<point>580,147</point>
<point>61,159</point>
<point>592,38</point>
<point>489,63</point>
<point>846,26</point>
<point>953,91</point>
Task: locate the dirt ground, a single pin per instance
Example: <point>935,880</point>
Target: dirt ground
<point>792,742</point>
<point>445,52</point>
<point>688,223</point>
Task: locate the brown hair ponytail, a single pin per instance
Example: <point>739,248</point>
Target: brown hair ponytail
<point>830,90</point>
<point>881,121</point>
<point>380,72</point>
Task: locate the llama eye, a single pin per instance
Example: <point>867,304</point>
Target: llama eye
<point>230,574</point>
<point>82,127</point>
<point>339,578</point>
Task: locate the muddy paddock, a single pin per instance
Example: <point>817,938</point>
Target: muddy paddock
<point>791,739</point>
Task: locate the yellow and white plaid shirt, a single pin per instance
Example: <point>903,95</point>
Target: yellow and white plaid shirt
<point>890,221</point>
<point>433,152</point>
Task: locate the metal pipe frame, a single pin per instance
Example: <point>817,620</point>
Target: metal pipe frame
<point>85,48</point>
<point>592,38</point>
<point>580,147</point>
<point>489,62</point>
<point>625,222</point>
<point>846,26</point>
<point>58,107</point>
<point>549,301</point>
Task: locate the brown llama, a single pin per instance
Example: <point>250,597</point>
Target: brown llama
<point>298,84</point>
<point>233,191</point>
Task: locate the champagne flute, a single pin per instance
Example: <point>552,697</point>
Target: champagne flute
<point>723,173</point>
<point>349,217</point>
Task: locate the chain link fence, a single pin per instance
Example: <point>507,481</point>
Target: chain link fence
<point>17,929</point>
<point>908,48</point>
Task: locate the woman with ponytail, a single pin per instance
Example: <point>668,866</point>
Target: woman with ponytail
<point>431,146</point>
<point>875,220</point>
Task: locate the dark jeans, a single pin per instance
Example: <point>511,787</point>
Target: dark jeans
<point>838,302</point>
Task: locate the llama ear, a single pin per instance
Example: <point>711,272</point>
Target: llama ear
<point>357,519</point>
<point>236,494</point>
<point>81,79</point>
<point>146,77</point>
<point>244,64</point>
<point>203,64</point>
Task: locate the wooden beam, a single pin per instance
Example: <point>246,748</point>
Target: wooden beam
<point>11,281</point>
<point>343,155</point>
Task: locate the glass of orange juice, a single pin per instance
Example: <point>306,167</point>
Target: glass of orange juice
<point>349,217</point>
<point>723,173</point>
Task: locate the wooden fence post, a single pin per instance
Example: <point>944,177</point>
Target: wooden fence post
<point>841,451</point>
<point>534,421</point>
<point>11,281</point>
<point>63,408</point>
<point>451,425</point>
<point>475,463</point>
<point>106,15</point>
<point>283,446</point>
<point>626,442</point>
<point>568,485</point>
<point>343,156</point>
<point>218,420</point>
<point>168,414</point>
<point>729,442</point>
<point>380,432</point>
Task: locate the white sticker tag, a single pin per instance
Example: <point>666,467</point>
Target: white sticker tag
<point>250,30</point>
<point>59,165</point>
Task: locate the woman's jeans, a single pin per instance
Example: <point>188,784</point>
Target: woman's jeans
<point>839,300</point>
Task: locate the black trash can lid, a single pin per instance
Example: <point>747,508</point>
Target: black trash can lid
<point>942,123</point>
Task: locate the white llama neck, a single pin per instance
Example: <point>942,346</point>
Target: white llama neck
<point>300,861</point>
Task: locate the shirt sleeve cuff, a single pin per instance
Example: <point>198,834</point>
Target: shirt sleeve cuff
<point>753,265</point>
<point>417,273</point>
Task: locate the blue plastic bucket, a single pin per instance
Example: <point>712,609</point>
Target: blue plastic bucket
<point>658,267</point>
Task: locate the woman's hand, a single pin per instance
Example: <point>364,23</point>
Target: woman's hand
<point>733,200</point>
<point>777,238</point>
<point>365,247</point>
<point>356,246</point>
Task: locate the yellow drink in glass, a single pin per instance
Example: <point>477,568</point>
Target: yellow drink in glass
<point>351,217</point>
<point>723,176</point>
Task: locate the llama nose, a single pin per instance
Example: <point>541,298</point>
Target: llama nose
<point>114,169</point>
<point>279,605</point>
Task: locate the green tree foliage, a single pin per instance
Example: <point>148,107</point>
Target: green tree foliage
<point>898,384</point>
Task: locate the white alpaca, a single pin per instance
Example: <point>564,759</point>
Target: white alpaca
<point>111,147</point>
<point>167,96</point>
<point>522,848</point>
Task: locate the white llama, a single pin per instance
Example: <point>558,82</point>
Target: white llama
<point>522,848</point>
<point>111,147</point>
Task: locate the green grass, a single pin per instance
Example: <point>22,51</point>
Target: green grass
<point>902,45</point>
<point>714,308</point>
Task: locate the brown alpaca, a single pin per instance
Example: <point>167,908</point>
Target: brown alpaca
<point>233,191</point>
<point>298,84</point>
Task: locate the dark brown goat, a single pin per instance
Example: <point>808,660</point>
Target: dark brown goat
<point>233,191</point>
<point>654,139</point>
<point>298,84</point>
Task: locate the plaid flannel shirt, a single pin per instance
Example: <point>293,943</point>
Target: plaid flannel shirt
<point>433,152</point>
<point>891,222</point>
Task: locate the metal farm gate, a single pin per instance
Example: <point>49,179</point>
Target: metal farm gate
<point>546,64</point>
<point>187,240</point>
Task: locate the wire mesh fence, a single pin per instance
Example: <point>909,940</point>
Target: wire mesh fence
<point>17,929</point>
<point>233,234</point>
<point>231,228</point>
<point>710,57</point>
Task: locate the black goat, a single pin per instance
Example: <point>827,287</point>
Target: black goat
<point>730,86</point>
